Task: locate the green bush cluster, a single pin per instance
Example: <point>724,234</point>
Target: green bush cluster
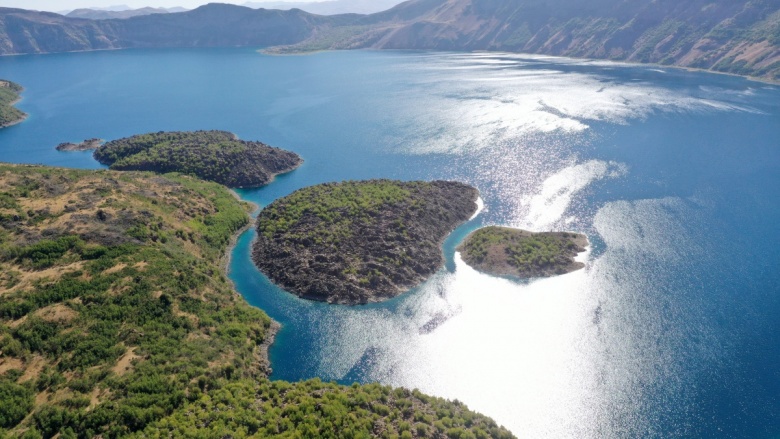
<point>340,205</point>
<point>313,409</point>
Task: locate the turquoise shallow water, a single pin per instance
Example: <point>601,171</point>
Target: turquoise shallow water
<point>670,331</point>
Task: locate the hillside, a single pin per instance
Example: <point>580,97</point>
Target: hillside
<point>358,242</point>
<point>330,7</point>
<point>211,155</point>
<point>97,14</point>
<point>213,25</point>
<point>116,320</point>
<point>735,36</point>
<point>9,95</point>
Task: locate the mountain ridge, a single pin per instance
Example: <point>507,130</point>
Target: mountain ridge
<point>740,37</point>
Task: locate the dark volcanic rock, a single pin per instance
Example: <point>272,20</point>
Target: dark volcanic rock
<point>211,155</point>
<point>359,242</point>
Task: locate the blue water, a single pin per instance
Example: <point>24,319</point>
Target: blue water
<point>670,331</point>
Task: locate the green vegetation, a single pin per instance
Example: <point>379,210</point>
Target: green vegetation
<point>9,94</point>
<point>340,205</point>
<point>357,242</point>
<point>116,320</point>
<point>505,251</point>
<point>323,410</point>
<point>211,155</point>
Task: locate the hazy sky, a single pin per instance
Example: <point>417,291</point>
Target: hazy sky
<point>60,5</point>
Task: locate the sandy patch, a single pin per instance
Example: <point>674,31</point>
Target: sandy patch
<point>124,364</point>
<point>59,313</point>
<point>7,364</point>
<point>33,369</point>
<point>116,268</point>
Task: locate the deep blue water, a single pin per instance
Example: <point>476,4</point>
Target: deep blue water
<point>670,331</point>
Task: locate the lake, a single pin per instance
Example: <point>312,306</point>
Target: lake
<point>671,330</point>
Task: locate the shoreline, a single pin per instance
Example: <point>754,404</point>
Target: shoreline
<point>629,63</point>
<point>264,51</point>
<point>224,267</point>
<point>24,115</point>
<point>16,122</point>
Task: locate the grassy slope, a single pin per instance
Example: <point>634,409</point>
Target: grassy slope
<point>116,320</point>
<point>9,94</point>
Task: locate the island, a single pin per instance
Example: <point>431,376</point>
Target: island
<point>357,242</point>
<point>217,156</point>
<point>504,251</point>
<point>117,319</point>
<point>9,95</point>
<point>86,145</point>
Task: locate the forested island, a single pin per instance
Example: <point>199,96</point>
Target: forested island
<point>9,95</point>
<point>116,320</point>
<point>217,156</point>
<point>86,145</point>
<point>504,251</point>
<point>357,242</point>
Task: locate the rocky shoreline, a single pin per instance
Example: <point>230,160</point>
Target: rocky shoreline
<point>359,242</point>
<point>87,145</point>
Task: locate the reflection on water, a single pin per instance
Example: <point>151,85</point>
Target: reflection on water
<point>669,331</point>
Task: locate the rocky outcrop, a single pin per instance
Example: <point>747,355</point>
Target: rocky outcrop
<point>211,155</point>
<point>86,145</point>
<point>518,253</point>
<point>359,242</point>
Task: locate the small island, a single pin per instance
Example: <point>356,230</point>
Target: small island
<point>86,145</point>
<point>217,156</point>
<point>503,251</point>
<point>9,95</point>
<point>359,242</point>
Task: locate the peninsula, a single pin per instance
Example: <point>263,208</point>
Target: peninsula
<point>9,95</point>
<point>86,145</point>
<point>504,251</point>
<point>359,242</point>
<point>116,320</point>
<point>217,156</point>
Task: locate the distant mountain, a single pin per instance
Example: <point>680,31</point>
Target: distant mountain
<point>736,36</point>
<point>330,7</point>
<point>96,14</point>
<point>213,25</point>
